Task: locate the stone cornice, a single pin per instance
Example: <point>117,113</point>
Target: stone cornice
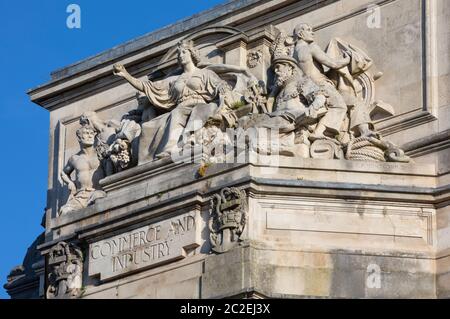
<point>428,144</point>
<point>97,70</point>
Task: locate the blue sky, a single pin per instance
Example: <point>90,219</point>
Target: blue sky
<point>35,41</point>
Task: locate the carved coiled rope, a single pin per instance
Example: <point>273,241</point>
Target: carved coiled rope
<point>362,149</point>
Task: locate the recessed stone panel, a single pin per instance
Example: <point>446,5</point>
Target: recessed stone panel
<point>148,246</point>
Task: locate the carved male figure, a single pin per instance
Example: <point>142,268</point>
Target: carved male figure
<point>311,59</point>
<point>298,95</point>
<point>85,188</point>
<point>299,102</point>
<point>113,140</point>
<point>105,131</point>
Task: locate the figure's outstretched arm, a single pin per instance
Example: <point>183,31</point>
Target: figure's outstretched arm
<point>92,118</point>
<point>324,59</point>
<point>158,92</point>
<point>120,70</point>
<point>228,68</point>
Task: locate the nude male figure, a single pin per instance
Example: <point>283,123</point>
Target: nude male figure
<point>311,59</point>
<point>307,52</point>
<point>85,189</point>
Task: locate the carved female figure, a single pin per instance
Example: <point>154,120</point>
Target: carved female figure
<point>190,98</point>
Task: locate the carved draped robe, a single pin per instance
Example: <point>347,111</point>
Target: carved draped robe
<point>188,100</point>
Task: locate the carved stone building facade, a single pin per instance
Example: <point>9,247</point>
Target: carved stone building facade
<point>264,148</point>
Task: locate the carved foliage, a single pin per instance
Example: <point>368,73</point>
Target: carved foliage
<point>254,58</point>
<point>228,216</point>
<point>114,141</point>
<point>64,271</point>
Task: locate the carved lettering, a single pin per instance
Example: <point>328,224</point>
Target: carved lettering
<point>143,247</point>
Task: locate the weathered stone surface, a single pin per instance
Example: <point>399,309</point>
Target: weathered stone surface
<point>64,271</point>
<point>338,215</point>
<point>149,246</point>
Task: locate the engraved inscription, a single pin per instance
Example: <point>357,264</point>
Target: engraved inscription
<point>151,245</point>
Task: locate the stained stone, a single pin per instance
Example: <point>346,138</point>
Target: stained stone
<point>281,149</point>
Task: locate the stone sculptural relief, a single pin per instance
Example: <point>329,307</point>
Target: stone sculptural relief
<point>85,189</point>
<point>198,94</point>
<point>228,216</point>
<point>319,102</point>
<point>65,271</point>
<point>105,148</point>
<point>324,114</point>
